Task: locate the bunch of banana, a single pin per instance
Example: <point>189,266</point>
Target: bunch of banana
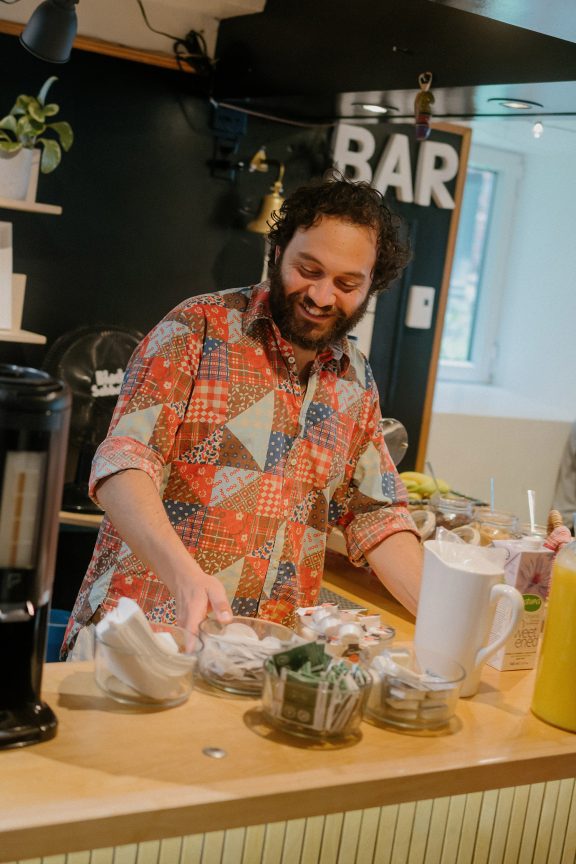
<point>421,486</point>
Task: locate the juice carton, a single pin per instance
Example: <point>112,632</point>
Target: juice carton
<point>529,570</point>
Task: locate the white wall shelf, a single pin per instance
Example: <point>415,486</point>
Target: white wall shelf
<point>22,336</point>
<point>30,206</point>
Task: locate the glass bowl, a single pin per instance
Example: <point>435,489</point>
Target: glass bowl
<point>413,688</point>
<point>321,707</point>
<point>231,656</point>
<point>160,674</point>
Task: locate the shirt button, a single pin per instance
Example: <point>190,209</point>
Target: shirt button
<point>292,360</point>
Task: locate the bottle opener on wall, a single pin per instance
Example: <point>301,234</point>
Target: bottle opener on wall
<point>423,106</point>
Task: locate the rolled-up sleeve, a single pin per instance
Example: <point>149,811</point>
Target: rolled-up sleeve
<point>153,399</point>
<point>377,502</point>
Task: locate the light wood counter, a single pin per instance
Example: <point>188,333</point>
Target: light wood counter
<point>116,775</point>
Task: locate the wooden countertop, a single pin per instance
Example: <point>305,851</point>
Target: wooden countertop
<point>117,775</point>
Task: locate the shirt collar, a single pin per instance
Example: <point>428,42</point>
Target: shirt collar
<point>258,309</point>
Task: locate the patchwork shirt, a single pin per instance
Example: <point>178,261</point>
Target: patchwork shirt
<point>253,468</point>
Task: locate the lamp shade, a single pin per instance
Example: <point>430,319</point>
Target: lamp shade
<point>270,203</point>
<point>50,31</point>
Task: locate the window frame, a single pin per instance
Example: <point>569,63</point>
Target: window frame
<point>509,169</point>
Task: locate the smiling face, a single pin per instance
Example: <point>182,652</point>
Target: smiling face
<point>321,289</point>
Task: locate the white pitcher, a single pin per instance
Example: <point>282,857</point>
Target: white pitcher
<point>461,587</point>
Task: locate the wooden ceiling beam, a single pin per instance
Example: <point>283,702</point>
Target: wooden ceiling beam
<point>111,49</point>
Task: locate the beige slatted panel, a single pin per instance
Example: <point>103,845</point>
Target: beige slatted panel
<point>148,852</point>
<point>170,850</point>
<point>559,828</point>
<point>212,848</point>
<point>533,809</point>
<point>192,849</point>
<point>103,856</point>
<point>293,841</point>
<point>501,825</point>
<point>403,834</point>
<point>124,854</point>
<point>273,843</point>
<point>535,824</point>
<point>453,830</point>
<point>420,828</point>
<point>331,838</point>
<point>517,819</point>
<point>469,830</point>
<point>569,850</point>
<point>368,834</point>
<point>542,847</point>
<point>253,844</point>
<point>386,831</point>
<point>312,840</point>
<point>350,838</point>
<point>485,826</point>
<point>233,846</point>
<point>437,830</point>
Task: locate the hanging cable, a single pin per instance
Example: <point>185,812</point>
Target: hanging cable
<point>190,50</point>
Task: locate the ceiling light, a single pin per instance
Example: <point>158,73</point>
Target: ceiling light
<point>51,30</point>
<point>538,129</point>
<point>516,104</point>
<point>374,108</point>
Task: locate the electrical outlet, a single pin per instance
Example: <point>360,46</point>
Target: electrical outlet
<point>420,307</point>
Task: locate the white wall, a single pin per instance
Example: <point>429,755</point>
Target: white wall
<point>520,454</point>
<point>537,352</point>
<point>515,430</point>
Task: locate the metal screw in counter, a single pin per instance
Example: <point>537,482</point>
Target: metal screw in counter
<point>34,419</point>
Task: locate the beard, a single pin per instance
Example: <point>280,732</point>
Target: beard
<point>305,334</point>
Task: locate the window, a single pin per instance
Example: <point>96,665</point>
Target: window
<point>469,338</point>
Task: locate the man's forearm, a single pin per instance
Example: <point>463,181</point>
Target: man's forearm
<point>133,504</point>
<point>397,562</point>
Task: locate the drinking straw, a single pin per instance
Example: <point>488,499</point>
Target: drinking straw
<point>492,494</point>
<point>531,510</point>
<point>433,475</point>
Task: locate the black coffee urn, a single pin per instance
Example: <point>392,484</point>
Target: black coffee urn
<point>34,418</point>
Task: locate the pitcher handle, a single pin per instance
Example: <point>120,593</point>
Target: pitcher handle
<point>514,599</point>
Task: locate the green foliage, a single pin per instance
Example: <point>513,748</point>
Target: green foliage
<point>27,126</point>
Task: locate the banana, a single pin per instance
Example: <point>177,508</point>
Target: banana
<point>425,485</point>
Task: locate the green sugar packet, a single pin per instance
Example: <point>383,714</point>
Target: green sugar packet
<point>311,655</point>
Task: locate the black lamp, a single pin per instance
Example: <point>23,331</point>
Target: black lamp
<point>50,31</point>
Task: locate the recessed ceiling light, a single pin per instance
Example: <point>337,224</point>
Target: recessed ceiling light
<point>374,108</point>
<point>516,104</point>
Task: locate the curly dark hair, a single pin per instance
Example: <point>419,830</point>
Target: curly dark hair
<point>355,202</point>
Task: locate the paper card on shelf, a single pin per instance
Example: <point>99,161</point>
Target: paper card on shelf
<point>6,275</point>
<point>18,291</point>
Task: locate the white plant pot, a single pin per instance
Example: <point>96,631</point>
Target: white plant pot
<point>15,174</point>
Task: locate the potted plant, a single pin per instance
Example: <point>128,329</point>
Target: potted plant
<point>28,127</point>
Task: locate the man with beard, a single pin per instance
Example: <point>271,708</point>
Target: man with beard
<point>247,426</point>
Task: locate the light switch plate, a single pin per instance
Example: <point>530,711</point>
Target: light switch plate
<point>420,307</point>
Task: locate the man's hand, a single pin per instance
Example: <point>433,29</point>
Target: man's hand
<point>196,594</point>
<point>134,506</point>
